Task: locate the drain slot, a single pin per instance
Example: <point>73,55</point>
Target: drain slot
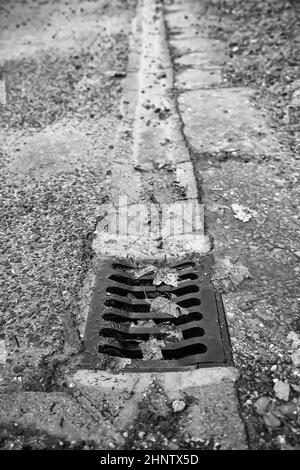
<point>122,321</point>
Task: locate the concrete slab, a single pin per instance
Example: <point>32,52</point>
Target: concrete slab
<point>224,119</point>
<point>190,79</point>
<point>212,411</point>
<point>56,414</point>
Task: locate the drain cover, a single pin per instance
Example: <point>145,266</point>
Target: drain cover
<point>157,325</point>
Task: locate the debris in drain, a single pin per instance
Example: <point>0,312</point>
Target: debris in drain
<point>151,349</point>
<point>143,323</point>
<point>166,276</point>
<point>161,275</point>
<point>116,364</point>
<point>172,333</point>
<point>169,307</point>
<point>113,364</point>
<point>165,327</point>
<point>178,406</point>
<point>137,273</point>
<point>103,341</point>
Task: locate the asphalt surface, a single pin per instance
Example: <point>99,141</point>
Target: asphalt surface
<point>238,98</point>
<point>57,131</point>
<point>61,71</point>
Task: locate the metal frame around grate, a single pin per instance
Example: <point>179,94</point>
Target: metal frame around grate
<point>205,337</point>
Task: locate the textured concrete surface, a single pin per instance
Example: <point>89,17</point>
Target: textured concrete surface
<point>155,142</point>
<point>62,65</point>
<point>128,392</point>
<point>57,129</point>
<point>59,186</point>
<point>240,158</point>
<point>211,411</point>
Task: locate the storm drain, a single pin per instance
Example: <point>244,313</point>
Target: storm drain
<point>155,316</point>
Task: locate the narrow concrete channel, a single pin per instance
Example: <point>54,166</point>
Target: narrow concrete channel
<point>153,169</point>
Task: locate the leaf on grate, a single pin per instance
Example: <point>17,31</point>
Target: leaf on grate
<point>104,341</point>
<point>172,333</point>
<point>143,323</point>
<point>143,271</point>
<point>166,306</point>
<point>118,363</point>
<point>151,349</point>
<point>166,276</point>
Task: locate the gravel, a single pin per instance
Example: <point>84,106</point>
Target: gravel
<point>58,122</point>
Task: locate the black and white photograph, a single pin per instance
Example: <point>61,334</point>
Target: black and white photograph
<point>149,230</point>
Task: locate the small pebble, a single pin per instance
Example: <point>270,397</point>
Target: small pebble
<point>178,406</point>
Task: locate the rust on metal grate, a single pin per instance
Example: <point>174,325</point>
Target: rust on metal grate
<point>121,302</point>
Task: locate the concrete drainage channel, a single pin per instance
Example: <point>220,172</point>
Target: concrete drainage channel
<point>154,318</point>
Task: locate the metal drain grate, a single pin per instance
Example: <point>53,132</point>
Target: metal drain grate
<point>121,319</point>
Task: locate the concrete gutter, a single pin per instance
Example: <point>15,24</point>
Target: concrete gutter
<point>145,139</point>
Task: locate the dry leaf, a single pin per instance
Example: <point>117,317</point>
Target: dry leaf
<point>166,276</point>
<point>118,363</point>
<point>271,420</point>
<point>242,213</point>
<point>172,333</point>
<point>144,323</point>
<point>262,404</point>
<point>151,349</point>
<point>226,271</point>
<point>143,271</point>
<point>166,306</point>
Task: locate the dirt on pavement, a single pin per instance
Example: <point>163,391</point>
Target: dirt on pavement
<point>62,64</point>
<point>249,175</point>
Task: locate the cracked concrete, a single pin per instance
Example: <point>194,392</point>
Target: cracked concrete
<point>214,412</point>
<point>175,110</point>
<point>40,377</point>
<point>240,158</point>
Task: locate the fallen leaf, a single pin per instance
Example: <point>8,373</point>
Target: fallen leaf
<point>166,276</point>
<point>261,405</point>
<point>118,363</point>
<point>172,333</point>
<point>271,420</point>
<point>143,323</point>
<point>239,273</point>
<point>282,390</point>
<point>226,272</point>
<point>242,213</point>
<point>151,349</point>
<point>143,271</point>
<point>166,306</point>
